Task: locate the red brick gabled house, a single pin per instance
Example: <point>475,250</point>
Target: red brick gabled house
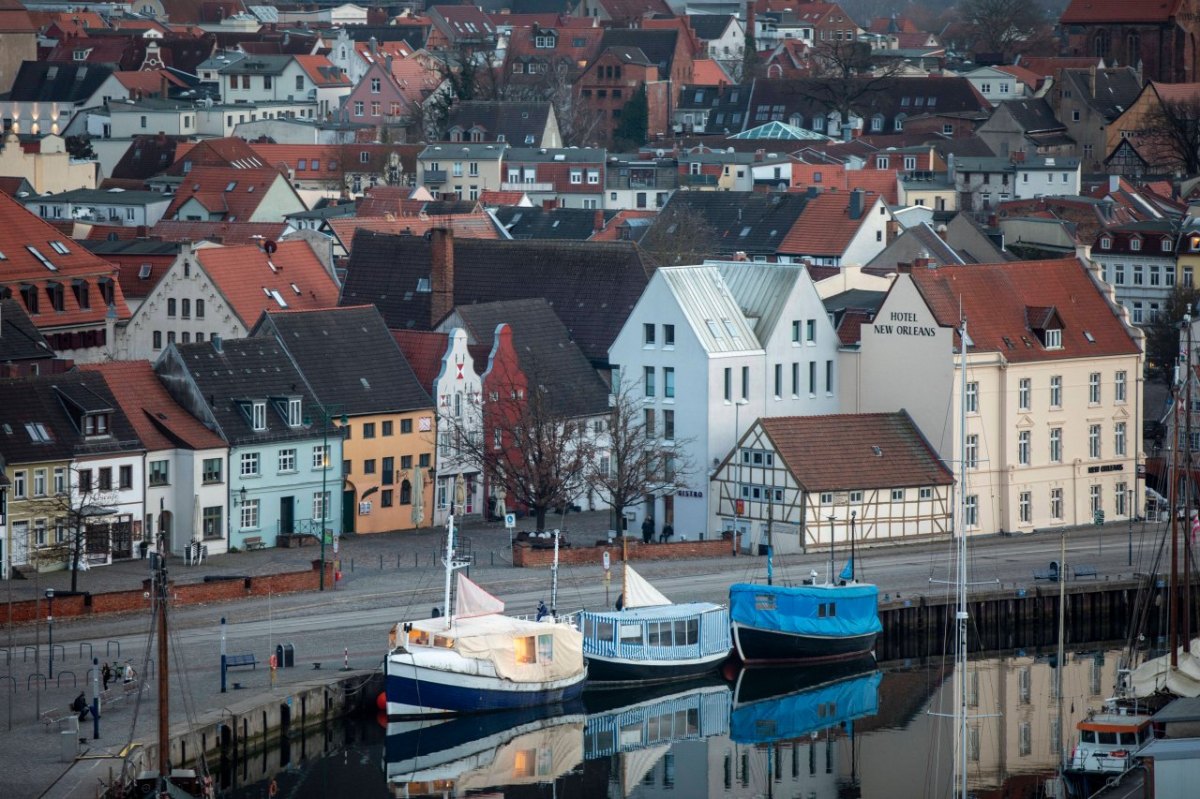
<point>610,81</point>
<point>1161,36</point>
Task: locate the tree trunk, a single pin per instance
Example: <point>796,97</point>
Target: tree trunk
<point>75,565</point>
<point>539,514</point>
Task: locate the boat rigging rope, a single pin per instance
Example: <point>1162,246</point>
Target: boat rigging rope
<point>137,706</point>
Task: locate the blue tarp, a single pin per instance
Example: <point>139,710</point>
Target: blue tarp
<point>804,712</point>
<point>821,610</point>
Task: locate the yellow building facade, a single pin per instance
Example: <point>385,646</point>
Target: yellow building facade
<point>388,466</point>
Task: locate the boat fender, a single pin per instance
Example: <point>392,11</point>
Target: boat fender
<point>1120,753</point>
<point>274,789</point>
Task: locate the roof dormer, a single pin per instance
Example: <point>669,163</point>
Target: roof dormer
<point>1046,324</point>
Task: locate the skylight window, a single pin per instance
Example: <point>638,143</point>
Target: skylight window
<point>232,185</point>
<point>730,329</point>
<point>144,272</point>
<point>44,260</point>
<point>59,248</point>
<point>712,328</point>
<point>37,432</point>
<point>275,295</point>
<point>296,289</point>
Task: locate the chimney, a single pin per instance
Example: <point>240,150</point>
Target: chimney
<point>750,20</point>
<point>217,344</point>
<point>1092,80</point>
<point>441,278</point>
<point>374,45</point>
<point>922,262</point>
<point>856,204</point>
<point>759,155</point>
<point>740,255</point>
<point>903,268</point>
<point>598,224</point>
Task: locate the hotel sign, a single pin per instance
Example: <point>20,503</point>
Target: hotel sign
<point>903,328</point>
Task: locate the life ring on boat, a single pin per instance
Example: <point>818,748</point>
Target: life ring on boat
<point>273,789</point>
<point>1118,753</point>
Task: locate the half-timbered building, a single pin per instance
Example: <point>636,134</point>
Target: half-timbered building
<point>804,481</point>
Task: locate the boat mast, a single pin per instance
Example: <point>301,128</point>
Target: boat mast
<point>164,708</point>
<point>1062,635</point>
<point>1172,500</point>
<point>554,580</point>
<point>624,568</point>
<point>1187,487</point>
<point>449,567</point>
<point>961,616</point>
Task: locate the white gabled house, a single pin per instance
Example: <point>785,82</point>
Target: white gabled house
<point>715,347</point>
<point>457,390</point>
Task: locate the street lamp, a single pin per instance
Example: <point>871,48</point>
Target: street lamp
<point>327,416</point>
<point>50,623</point>
<point>737,432</point>
<point>1130,515</point>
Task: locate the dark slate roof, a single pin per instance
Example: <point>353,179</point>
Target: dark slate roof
<point>658,44</point>
<point>348,358</point>
<point>247,369</point>
<point>1033,114</point>
<point>709,26</point>
<point>147,156</point>
<point>745,221</point>
<point>514,120</point>
<point>49,401</point>
<point>550,223</point>
<point>592,286</point>
<point>548,357</point>
<point>20,339</point>
<point>132,247</point>
<point>1116,89</point>
<point>918,241</point>
<point>62,82</point>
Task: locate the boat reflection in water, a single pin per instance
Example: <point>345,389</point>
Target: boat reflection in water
<point>471,753</point>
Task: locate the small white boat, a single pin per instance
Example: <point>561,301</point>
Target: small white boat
<point>475,659</point>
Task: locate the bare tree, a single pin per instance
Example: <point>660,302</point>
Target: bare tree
<point>537,454</point>
<point>644,459</point>
<point>1171,135</point>
<point>847,79</point>
<point>579,124</point>
<point>69,509</point>
<point>1007,27</point>
<point>680,235</point>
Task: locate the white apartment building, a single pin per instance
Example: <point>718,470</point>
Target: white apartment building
<point>715,347</point>
<point>457,391</point>
<point>1053,388</point>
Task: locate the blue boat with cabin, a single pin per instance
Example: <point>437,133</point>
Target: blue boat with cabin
<point>806,623</point>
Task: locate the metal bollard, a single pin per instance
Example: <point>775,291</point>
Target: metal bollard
<point>351,565</point>
<point>397,560</point>
<point>381,561</point>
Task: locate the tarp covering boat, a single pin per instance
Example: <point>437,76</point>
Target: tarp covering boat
<point>474,601</point>
<point>533,757</point>
<point>1156,675</point>
<point>796,715</point>
<point>816,610</point>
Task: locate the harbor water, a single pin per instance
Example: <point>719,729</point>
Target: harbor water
<point>866,729</point>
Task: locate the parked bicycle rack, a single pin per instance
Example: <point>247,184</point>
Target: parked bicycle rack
<point>35,676</point>
<point>82,644</point>
<point>13,680</point>
<point>108,649</point>
<point>61,674</point>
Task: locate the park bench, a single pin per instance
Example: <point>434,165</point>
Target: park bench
<point>245,659</point>
<point>1050,574</point>
<point>1085,571</point>
<point>288,540</point>
<point>111,696</point>
<point>254,542</point>
<point>129,688</point>
<point>52,717</point>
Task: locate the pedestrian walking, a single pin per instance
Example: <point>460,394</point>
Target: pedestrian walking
<point>106,675</point>
<point>648,530</point>
<point>129,674</point>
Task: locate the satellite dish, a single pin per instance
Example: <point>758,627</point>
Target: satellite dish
<point>269,247</point>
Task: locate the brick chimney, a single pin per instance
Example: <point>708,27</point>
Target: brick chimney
<point>598,223</point>
<point>441,274</point>
<point>750,20</point>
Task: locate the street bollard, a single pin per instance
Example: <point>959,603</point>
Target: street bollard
<point>416,560</point>
<point>380,561</point>
<point>346,659</point>
<point>397,560</point>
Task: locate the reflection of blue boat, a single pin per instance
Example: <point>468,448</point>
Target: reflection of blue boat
<point>807,623</point>
<point>448,757</point>
<point>775,705</point>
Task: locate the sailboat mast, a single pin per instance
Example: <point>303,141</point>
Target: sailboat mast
<point>1187,488</point>
<point>961,616</point>
<point>164,708</point>
<point>1172,500</point>
<point>554,580</point>
<point>624,568</point>
<point>449,567</point>
<point>1062,636</point>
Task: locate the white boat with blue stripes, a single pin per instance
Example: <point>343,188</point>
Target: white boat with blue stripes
<point>650,639</point>
<point>474,659</point>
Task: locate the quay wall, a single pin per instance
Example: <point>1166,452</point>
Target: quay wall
<point>527,555</point>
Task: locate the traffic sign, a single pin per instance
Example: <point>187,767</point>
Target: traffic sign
<point>1099,517</point>
<point>607,561</point>
<point>510,520</point>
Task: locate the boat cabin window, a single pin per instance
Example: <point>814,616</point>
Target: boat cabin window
<point>764,601</point>
<point>658,633</point>
<point>826,610</point>
<point>687,632</point>
<point>420,637</point>
<point>1128,738</point>
<point>534,649</point>
<point>1109,738</point>
<point>530,762</point>
<point>444,641</point>
<point>1087,736</point>
<point>631,633</point>
<point>598,629</point>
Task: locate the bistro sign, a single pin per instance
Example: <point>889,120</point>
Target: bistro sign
<point>903,329</point>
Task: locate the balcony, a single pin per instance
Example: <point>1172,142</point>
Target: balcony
<point>527,187</point>
<point>435,176</point>
<point>711,180</point>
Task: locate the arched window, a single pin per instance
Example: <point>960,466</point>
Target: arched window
<point>1133,48</point>
<point>1102,43</point>
<point>406,493</point>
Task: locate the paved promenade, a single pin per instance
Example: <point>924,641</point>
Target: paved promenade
<point>397,576</point>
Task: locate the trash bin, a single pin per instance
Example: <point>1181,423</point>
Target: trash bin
<point>285,656</point>
<point>68,745</point>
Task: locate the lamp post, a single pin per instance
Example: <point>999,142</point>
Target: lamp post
<point>327,416</point>
<point>1130,515</point>
<point>737,432</point>
<point>50,625</point>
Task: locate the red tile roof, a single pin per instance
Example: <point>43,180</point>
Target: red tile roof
<point>321,71</point>
<point>148,82</point>
<point>467,226</point>
<point>23,230</point>
<point>853,451</point>
<point>160,422</point>
<point>424,351</point>
<point>849,329</point>
<point>244,275</point>
<point>997,298</point>
<point>232,193</point>
<point>228,233</point>
<point>229,151</point>
<point>1047,66</point>
<point>612,230</point>
<point>1029,78</point>
<point>837,177</point>
<point>825,226</point>
<point>706,72</point>
<point>494,197</point>
<point>1085,11</point>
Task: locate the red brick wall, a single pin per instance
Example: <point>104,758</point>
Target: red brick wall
<point>181,594</point>
<point>526,556</point>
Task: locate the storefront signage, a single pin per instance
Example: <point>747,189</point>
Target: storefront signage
<point>902,328</point>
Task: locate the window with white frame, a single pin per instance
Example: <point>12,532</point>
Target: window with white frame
<point>320,456</point>
<point>320,505</point>
<point>1097,504</point>
<point>897,495</point>
<point>1056,391</point>
<point>971,511</point>
<point>1023,437</point>
<point>60,480</point>
<point>258,416</point>
<point>1119,386</point>
<point>1121,495</point>
<point>972,451</point>
<point>1025,507</point>
<point>249,515</point>
<point>1056,454</point>
<point>1056,504</point>
<point>973,397</point>
<point>1119,439</point>
<point>249,464</point>
<point>925,493</point>
<point>39,482</point>
<point>1093,441</point>
<point>287,460</point>
<point>1024,390</point>
<point>293,412</point>
<point>1094,388</point>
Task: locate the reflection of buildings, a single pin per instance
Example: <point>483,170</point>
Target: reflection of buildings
<point>1015,734</point>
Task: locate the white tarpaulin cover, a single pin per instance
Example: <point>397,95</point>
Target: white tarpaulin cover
<point>636,765</point>
<point>639,593</point>
<point>520,650</point>
<point>1156,675</point>
<point>533,757</point>
<point>474,601</point>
